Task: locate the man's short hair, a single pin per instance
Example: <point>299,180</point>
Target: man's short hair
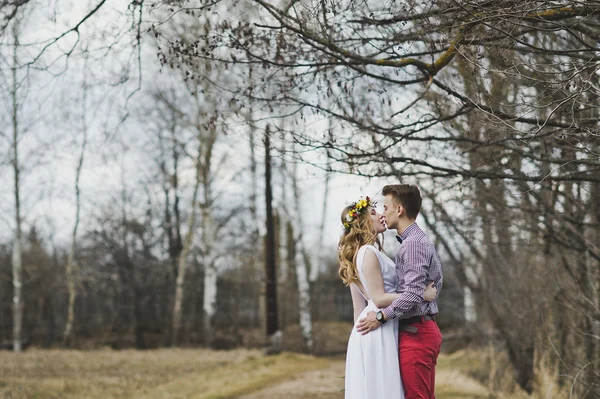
<point>406,195</point>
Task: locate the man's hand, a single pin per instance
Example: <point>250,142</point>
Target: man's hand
<point>430,292</point>
<point>368,324</point>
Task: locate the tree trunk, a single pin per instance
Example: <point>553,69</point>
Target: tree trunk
<point>17,259</point>
<point>301,267</point>
<point>209,238</point>
<point>254,220</point>
<point>256,256</point>
<point>273,332</point>
<point>593,288</point>
<point>71,272</point>
<point>168,284</point>
<point>172,225</point>
<point>210,301</point>
<point>177,240</point>
<point>317,259</point>
<point>491,206</point>
<point>138,313</point>
<point>182,261</point>
<point>521,355</point>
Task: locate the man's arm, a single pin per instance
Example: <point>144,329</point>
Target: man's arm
<point>439,282</point>
<point>418,256</point>
<point>370,323</point>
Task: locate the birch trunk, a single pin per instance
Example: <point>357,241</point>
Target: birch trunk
<point>282,219</point>
<point>17,260</point>
<point>172,216</point>
<point>182,260</point>
<point>210,283</point>
<point>72,268</point>
<point>168,229</point>
<point>273,332</point>
<point>209,235</point>
<point>255,257</point>
<point>301,267</point>
<point>255,223</point>
<point>318,255</point>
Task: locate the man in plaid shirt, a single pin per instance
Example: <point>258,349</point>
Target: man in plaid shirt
<point>417,263</point>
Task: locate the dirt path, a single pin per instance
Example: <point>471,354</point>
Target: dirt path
<point>327,383</point>
<point>201,374</point>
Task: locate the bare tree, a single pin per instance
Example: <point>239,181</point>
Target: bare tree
<point>170,187</point>
<point>360,54</point>
<point>254,219</point>
<point>187,245</point>
<point>210,232</point>
<point>301,258</point>
<point>318,259</point>
<point>17,260</point>
<point>72,269</point>
<point>499,105</point>
<point>9,10</point>
<point>273,331</point>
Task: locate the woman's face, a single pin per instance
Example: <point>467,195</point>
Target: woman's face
<point>377,220</point>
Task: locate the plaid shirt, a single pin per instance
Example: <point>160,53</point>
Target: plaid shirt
<point>417,263</point>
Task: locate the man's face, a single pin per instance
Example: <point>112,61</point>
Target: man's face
<point>390,212</point>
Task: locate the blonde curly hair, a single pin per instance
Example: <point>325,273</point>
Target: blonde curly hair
<point>361,232</point>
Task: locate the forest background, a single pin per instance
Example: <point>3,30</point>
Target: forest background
<point>173,172</point>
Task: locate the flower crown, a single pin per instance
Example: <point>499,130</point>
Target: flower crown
<point>356,209</point>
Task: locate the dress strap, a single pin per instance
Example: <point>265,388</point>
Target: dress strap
<point>361,254</point>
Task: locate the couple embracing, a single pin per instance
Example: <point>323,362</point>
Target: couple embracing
<point>395,342</point>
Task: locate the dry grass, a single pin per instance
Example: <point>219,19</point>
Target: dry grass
<point>204,374</point>
<point>451,384</point>
<point>176,373</point>
<point>466,374</point>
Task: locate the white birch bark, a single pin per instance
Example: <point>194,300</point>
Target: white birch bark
<point>282,248</point>
<point>255,257</point>
<point>210,299</point>
<point>182,260</point>
<point>301,267</point>
<point>17,259</point>
<point>283,217</point>
<point>317,257</point>
<point>72,267</point>
<point>209,235</point>
<point>469,299</point>
<point>254,220</point>
<point>210,279</point>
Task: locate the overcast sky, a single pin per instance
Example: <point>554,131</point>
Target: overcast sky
<point>52,112</point>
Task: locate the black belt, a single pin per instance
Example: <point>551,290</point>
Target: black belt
<point>405,324</point>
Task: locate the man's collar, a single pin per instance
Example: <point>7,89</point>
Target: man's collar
<point>408,231</point>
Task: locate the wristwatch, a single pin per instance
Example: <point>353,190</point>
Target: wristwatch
<point>380,317</point>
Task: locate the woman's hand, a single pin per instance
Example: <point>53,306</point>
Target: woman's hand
<point>430,292</point>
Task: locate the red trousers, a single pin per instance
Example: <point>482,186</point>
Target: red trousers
<point>418,356</point>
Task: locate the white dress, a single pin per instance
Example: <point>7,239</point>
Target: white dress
<point>372,368</point>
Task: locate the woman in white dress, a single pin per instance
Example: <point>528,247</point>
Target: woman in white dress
<point>372,367</point>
